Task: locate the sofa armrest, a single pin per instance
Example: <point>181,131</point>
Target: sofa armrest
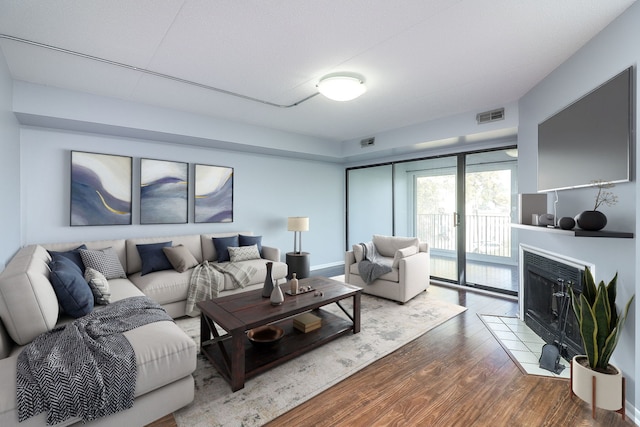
<point>272,254</point>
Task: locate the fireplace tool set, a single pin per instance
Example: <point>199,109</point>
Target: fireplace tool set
<point>551,353</point>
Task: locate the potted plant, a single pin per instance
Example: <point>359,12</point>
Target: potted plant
<point>595,220</point>
<point>600,325</point>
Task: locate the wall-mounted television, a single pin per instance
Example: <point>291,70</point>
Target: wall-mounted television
<point>590,139</point>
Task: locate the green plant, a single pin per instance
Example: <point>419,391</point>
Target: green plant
<point>598,319</point>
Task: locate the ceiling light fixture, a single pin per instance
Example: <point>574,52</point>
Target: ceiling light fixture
<point>341,86</point>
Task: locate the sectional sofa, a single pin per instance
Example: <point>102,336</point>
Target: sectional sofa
<point>165,355</point>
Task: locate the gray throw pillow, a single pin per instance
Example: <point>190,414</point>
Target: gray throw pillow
<point>105,261</point>
<point>180,258</point>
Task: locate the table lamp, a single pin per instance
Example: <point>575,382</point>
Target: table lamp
<point>297,224</point>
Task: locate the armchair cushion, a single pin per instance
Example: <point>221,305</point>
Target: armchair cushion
<point>388,245</point>
<point>403,253</point>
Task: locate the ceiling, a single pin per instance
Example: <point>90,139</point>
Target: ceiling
<point>422,59</point>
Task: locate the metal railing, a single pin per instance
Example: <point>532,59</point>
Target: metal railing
<point>485,234</point>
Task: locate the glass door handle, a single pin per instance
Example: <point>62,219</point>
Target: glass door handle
<point>456,219</point>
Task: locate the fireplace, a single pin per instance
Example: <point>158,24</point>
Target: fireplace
<point>545,281</point>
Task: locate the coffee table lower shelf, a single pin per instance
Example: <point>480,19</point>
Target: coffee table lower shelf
<point>294,343</point>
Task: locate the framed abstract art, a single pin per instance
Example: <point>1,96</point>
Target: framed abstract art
<point>213,193</point>
<point>163,191</point>
<point>100,189</point>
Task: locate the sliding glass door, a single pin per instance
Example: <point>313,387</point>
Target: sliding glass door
<point>490,207</point>
<point>435,212</point>
<point>461,205</point>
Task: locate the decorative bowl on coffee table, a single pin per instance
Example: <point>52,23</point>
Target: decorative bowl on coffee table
<point>265,336</point>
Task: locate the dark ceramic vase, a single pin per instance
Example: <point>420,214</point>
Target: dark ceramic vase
<point>591,220</point>
<point>268,282</point>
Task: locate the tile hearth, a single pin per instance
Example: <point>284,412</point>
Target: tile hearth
<point>523,345</point>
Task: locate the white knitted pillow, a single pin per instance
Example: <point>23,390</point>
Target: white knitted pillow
<point>99,286</point>
<point>243,253</point>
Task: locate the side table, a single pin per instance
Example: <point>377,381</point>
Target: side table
<point>298,262</point>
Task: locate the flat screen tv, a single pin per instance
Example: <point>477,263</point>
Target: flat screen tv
<point>589,140</point>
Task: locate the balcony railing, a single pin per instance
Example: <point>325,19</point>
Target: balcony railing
<point>485,234</point>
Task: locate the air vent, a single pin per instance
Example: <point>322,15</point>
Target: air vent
<point>367,142</point>
<point>490,116</point>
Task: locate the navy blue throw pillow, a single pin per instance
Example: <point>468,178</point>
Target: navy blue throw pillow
<point>73,292</point>
<point>73,255</point>
<point>222,243</point>
<point>251,240</point>
<point>153,257</point>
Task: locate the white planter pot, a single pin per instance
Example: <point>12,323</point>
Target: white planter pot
<point>609,387</point>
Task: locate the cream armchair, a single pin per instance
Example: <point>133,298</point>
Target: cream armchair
<point>409,260</point>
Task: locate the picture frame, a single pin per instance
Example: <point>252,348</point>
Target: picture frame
<point>101,189</point>
<point>213,194</point>
<point>164,190</point>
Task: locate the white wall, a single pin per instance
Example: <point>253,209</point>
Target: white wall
<point>9,169</point>
<point>610,52</point>
<point>267,189</point>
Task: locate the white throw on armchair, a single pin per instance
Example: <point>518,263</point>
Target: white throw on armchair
<point>409,260</point>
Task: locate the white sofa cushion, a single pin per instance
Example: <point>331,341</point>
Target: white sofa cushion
<point>163,286</point>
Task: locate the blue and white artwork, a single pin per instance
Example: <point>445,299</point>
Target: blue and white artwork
<point>163,192</point>
<point>214,194</point>
<point>100,189</point>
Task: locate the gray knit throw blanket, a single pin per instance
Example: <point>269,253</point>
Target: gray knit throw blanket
<point>86,368</point>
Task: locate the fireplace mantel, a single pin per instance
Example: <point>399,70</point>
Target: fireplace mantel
<point>576,232</point>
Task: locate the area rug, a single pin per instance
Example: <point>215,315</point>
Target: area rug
<point>385,327</point>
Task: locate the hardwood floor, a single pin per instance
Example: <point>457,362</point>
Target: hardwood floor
<point>455,375</point>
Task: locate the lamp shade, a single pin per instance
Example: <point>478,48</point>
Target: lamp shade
<point>298,223</point>
<point>341,87</point>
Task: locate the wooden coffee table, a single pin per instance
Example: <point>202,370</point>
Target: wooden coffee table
<point>237,359</point>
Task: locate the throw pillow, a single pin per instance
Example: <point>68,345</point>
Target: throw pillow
<point>222,243</point>
<point>403,253</point>
<point>105,261</point>
<point>153,257</point>
<point>251,240</point>
<point>243,253</point>
<point>74,295</point>
<point>180,258</point>
<point>99,286</point>
<point>73,255</point>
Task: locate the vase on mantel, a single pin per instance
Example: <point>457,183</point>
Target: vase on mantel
<point>591,220</point>
<point>267,288</point>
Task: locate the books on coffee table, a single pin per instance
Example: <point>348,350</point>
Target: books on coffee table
<point>307,322</point>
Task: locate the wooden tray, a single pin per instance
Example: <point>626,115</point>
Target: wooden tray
<point>300,291</point>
